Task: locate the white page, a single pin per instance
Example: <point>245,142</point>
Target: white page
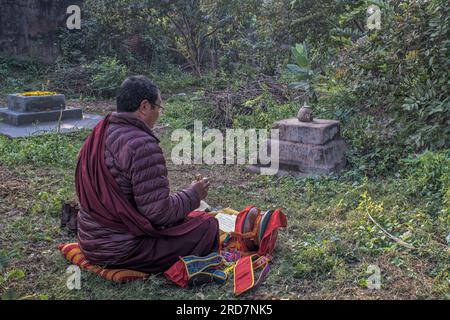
<point>203,207</point>
<point>227,222</point>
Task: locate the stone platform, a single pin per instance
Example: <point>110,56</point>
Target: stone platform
<point>19,118</point>
<point>317,132</point>
<point>89,121</point>
<point>23,110</point>
<point>307,148</point>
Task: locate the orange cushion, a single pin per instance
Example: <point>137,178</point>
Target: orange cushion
<point>73,254</point>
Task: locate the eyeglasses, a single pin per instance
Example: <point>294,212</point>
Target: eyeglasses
<point>157,105</point>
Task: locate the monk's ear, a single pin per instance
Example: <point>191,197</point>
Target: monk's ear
<point>143,106</point>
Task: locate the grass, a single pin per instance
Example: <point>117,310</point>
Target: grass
<point>323,254</point>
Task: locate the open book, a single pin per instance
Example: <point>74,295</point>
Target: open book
<point>226,217</point>
<point>227,222</point>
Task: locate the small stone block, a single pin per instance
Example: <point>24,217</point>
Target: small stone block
<point>312,157</point>
<point>36,103</point>
<point>317,132</point>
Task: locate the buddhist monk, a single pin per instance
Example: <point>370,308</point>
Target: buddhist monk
<point>128,218</point>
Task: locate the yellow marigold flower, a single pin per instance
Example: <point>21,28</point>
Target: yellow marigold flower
<point>36,93</point>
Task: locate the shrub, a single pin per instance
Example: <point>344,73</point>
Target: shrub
<point>399,72</point>
<point>428,176</point>
<point>107,76</point>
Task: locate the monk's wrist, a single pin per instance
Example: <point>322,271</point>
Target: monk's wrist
<point>194,197</point>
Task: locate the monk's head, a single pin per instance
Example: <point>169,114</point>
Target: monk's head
<point>140,96</point>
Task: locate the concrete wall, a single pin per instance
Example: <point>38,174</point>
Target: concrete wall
<point>29,28</point>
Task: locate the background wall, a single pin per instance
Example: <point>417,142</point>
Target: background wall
<point>29,28</point>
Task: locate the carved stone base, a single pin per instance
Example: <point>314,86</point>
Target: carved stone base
<point>307,148</point>
<point>18,118</point>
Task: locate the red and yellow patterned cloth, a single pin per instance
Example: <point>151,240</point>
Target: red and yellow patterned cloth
<point>73,254</point>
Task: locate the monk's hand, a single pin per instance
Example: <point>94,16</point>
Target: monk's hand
<point>201,187</point>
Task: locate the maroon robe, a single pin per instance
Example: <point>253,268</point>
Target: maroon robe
<point>128,218</point>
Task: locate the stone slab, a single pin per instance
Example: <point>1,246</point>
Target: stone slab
<point>317,132</point>
<point>89,121</point>
<point>311,156</point>
<point>256,169</point>
<point>23,118</point>
<point>36,103</point>
<point>296,171</point>
<point>312,169</point>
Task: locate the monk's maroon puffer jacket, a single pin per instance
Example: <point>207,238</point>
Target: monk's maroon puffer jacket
<point>137,163</point>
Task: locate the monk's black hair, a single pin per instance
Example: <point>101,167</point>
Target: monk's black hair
<point>133,91</point>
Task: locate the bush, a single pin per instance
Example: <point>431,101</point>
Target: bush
<point>17,75</point>
<point>180,113</point>
<point>429,177</point>
<point>399,72</point>
<point>107,76</point>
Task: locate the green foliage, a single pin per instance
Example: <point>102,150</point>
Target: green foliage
<point>328,244</point>
<point>51,203</point>
<point>428,100</point>
<point>389,88</point>
<point>175,80</point>
<point>4,260</point>
<point>180,113</point>
<point>315,260</point>
<point>17,274</point>
<point>400,71</point>
<point>13,274</point>
<point>124,29</point>
<point>429,176</point>
<point>17,75</point>
<point>300,53</point>
<point>302,70</point>
<point>419,209</point>
<point>107,76</point>
<point>48,149</point>
<point>372,151</point>
<point>265,112</point>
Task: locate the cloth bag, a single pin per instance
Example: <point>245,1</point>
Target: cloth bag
<point>257,231</point>
<point>245,252</point>
<point>190,271</point>
<point>255,236</point>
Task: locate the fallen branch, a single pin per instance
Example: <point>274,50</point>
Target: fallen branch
<point>398,240</point>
